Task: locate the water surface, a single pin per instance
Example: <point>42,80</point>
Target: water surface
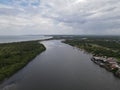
<point>8,39</point>
<point>62,67</point>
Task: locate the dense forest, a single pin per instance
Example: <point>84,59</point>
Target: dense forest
<point>97,46</point>
<point>14,56</point>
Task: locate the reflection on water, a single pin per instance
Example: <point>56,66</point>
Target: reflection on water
<point>62,67</point>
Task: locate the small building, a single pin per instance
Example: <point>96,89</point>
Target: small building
<point>114,66</point>
<point>111,61</point>
<point>101,59</point>
<point>117,73</point>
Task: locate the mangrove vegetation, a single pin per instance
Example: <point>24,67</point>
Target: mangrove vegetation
<point>99,47</point>
<point>14,56</point>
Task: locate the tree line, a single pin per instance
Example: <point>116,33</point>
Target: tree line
<point>14,56</point>
<point>109,48</point>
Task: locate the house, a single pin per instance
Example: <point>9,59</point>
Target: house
<point>100,59</point>
<point>112,64</point>
<point>117,73</point>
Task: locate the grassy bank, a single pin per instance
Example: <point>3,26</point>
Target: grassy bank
<point>14,56</point>
<point>109,48</point>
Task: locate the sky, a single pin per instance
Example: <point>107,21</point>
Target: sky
<point>79,17</point>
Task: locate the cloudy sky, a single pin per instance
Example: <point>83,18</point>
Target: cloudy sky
<point>20,17</point>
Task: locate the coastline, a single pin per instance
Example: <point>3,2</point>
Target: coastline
<point>111,64</point>
<point>14,56</point>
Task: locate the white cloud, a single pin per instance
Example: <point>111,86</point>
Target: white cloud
<point>60,17</point>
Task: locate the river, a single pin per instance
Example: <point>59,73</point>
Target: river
<point>62,67</point>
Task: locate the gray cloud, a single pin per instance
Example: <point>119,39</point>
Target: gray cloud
<point>60,17</point>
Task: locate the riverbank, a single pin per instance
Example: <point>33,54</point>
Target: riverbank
<point>108,48</point>
<point>109,64</point>
<point>14,56</point>
<point>105,53</point>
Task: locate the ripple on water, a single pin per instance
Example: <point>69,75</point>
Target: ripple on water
<point>12,86</point>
